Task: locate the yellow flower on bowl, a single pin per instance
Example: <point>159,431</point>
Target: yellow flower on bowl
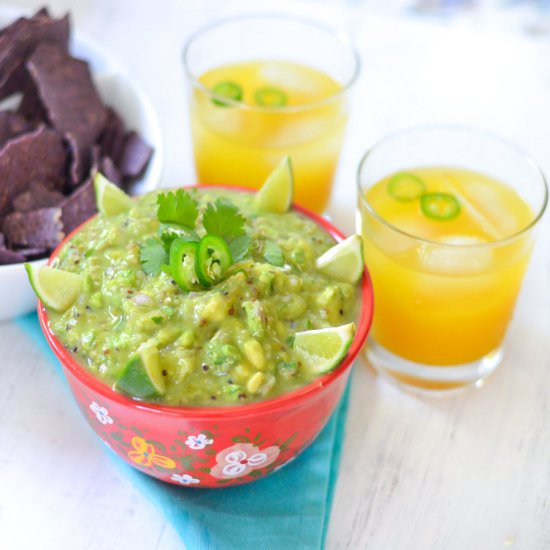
<point>146,455</point>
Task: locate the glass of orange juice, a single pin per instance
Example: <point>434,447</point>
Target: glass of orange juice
<point>448,216</point>
<point>265,87</point>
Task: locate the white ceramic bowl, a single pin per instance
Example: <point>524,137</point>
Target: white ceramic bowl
<point>122,93</point>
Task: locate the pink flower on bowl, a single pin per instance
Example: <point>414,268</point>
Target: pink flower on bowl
<point>240,459</point>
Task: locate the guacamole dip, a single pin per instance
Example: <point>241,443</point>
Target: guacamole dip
<point>224,336</point>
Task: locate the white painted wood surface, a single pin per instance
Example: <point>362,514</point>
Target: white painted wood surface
<point>470,470</point>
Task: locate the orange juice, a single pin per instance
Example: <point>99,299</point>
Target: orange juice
<point>446,254</point>
<point>280,108</point>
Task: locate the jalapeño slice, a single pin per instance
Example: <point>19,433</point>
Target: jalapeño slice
<point>182,264</point>
<point>270,97</point>
<point>228,89</point>
<point>406,187</point>
<point>212,260</point>
<point>439,206</point>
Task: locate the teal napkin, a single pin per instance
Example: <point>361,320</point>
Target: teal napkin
<point>287,510</point>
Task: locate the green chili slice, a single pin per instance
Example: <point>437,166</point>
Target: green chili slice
<point>213,259</point>
<point>228,89</point>
<point>270,97</point>
<point>183,256</point>
<point>439,206</point>
<point>406,187</point>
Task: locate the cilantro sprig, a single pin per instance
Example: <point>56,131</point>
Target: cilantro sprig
<point>178,208</point>
<point>168,233</point>
<point>153,256</point>
<point>239,247</point>
<point>223,219</point>
<point>273,254</point>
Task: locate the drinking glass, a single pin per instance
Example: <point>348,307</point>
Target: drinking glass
<point>442,306</point>
<point>239,142</point>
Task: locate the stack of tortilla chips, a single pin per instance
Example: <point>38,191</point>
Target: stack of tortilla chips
<point>55,140</point>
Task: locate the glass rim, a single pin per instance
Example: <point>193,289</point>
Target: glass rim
<point>341,37</point>
<point>454,128</point>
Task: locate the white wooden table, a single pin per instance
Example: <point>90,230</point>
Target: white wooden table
<point>465,471</point>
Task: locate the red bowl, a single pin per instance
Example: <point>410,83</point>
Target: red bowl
<point>211,446</point>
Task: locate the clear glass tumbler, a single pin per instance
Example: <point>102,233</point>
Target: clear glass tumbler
<point>264,87</point>
<point>448,216</point>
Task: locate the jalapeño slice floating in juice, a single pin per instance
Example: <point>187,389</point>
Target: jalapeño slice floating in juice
<point>228,89</point>
<point>439,206</point>
<point>405,186</point>
<point>270,97</point>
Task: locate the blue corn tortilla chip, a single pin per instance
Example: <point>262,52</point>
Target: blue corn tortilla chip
<point>38,196</point>
<point>20,38</point>
<point>12,125</point>
<point>113,137</point>
<point>110,171</point>
<point>34,156</point>
<point>80,161</point>
<point>78,207</point>
<point>65,88</point>
<point>33,253</point>
<point>30,106</point>
<point>83,163</point>
<point>135,157</point>
<point>10,257</point>
<point>39,229</point>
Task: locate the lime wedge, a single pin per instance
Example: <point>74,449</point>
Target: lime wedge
<point>343,261</point>
<point>142,376</point>
<point>277,191</point>
<point>321,350</point>
<point>110,199</point>
<point>57,289</point>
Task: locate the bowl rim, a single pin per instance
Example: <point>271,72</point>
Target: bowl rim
<point>276,403</point>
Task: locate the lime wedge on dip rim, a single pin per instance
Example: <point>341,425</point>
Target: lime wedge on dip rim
<point>322,350</point>
<point>276,193</point>
<point>110,199</point>
<point>343,261</point>
<point>56,288</point>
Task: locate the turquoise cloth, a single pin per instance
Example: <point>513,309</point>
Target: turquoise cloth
<point>287,510</point>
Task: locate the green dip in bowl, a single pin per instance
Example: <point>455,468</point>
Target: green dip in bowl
<point>226,344</point>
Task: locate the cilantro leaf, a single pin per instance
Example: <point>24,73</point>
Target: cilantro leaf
<point>152,256</point>
<point>239,247</point>
<point>273,254</point>
<point>167,237</point>
<point>223,219</point>
<point>170,232</point>
<point>179,208</point>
